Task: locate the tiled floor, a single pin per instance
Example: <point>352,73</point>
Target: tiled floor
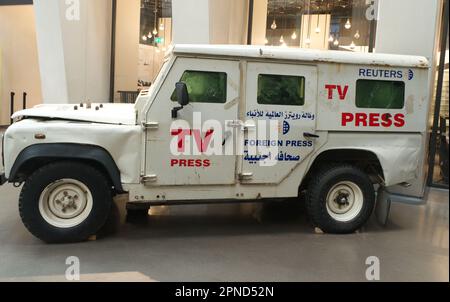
<point>253,242</point>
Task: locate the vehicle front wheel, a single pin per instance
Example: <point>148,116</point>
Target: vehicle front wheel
<point>340,199</point>
<point>65,202</point>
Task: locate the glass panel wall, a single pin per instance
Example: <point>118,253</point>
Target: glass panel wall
<point>155,37</point>
<point>321,24</point>
<point>439,114</point>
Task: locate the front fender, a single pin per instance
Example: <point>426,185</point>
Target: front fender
<point>67,151</point>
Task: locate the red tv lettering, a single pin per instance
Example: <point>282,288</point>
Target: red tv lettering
<point>181,133</point>
<point>202,144</point>
<point>342,91</point>
<point>331,89</point>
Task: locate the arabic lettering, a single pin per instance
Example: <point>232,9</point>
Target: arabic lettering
<point>282,156</point>
<point>287,115</point>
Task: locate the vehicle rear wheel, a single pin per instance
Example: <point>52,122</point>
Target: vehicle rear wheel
<point>340,199</point>
<point>65,202</point>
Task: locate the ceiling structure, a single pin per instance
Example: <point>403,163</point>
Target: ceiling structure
<point>164,7</point>
<point>298,7</point>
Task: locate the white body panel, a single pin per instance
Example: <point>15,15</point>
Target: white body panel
<point>397,169</point>
<point>122,142</point>
<point>222,169</point>
<point>140,152</point>
<point>304,55</point>
<point>119,114</point>
<point>297,119</point>
<point>331,110</point>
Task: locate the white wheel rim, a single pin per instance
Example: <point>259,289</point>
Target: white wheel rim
<point>345,201</point>
<point>65,203</point>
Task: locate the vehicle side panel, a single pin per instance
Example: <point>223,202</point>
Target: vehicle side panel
<point>122,142</point>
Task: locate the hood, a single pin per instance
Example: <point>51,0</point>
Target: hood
<point>119,114</point>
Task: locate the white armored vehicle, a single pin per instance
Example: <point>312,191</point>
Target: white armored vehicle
<point>228,123</point>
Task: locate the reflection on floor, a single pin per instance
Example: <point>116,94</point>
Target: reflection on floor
<point>248,242</point>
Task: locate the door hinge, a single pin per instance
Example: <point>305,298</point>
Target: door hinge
<point>246,176</point>
<point>148,178</point>
<point>150,125</point>
<point>234,124</point>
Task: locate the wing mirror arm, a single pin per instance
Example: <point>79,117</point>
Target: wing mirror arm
<point>175,111</point>
<point>182,98</point>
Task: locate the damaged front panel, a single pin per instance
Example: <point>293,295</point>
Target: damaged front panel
<point>122,142</point>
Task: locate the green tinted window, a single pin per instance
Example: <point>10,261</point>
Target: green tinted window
<point>380,94</point>
<point>281,90</point>
<point>204,87</point>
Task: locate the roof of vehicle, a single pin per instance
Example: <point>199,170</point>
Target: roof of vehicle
<point>304,55</point>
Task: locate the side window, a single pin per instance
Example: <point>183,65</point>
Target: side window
<point>204,86</point>
<point>380,94</point>
<point>281,90</point>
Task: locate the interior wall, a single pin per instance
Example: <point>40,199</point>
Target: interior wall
<point>19,69</point>
<point>74,49</point>
<point>210,21</point>
<point>127,46</point>
<point>228,21</point>
<point>87,51</point>
<point>259,23</point>
<point>190,21</point>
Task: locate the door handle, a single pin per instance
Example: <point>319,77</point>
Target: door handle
<point>227,135</point>
<point>310,135</point>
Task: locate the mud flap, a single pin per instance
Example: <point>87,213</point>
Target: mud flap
<point>3,179</point>
<point>383,206</point>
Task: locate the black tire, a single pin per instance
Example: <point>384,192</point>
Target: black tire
<point>93,179</point>
<point>323,182</point>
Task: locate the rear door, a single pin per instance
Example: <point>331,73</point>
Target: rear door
<point>287,94</point>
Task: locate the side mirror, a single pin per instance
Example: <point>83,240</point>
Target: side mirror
<point>182,98</point>
<point>182,93</point>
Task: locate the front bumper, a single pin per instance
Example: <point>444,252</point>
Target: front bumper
<point>3,179</point>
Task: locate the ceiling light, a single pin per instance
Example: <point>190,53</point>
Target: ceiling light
<point>274,25</point>
<point>348,24</point>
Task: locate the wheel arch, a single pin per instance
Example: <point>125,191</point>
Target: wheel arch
<point>366,160</point>
<point>35,156</point>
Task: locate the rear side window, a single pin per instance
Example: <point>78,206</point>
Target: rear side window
<point>380,94</point>
<point>281,90</point>
<point>204,86</point>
